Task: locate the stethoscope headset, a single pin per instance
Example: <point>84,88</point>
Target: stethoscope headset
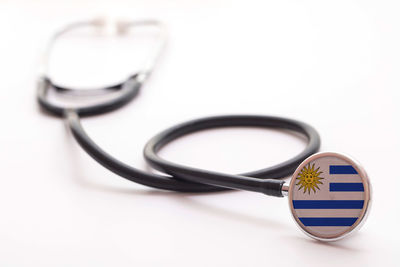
<point>329,193</point>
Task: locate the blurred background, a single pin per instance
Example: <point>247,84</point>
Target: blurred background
<point>333,65</point>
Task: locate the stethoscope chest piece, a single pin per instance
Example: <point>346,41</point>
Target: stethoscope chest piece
<point>329,196</point>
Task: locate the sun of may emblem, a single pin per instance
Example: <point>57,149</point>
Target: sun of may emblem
<point>309,178</point>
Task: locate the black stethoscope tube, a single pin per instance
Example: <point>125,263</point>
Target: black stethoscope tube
<point>258,181</point>
<point>263,180</point>
<point>126,171</point>
<point>127,91</point>
<point>177,177</point>
<point>181,178</point>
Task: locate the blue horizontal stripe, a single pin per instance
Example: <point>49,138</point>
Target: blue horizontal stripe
<point>346,187</point>
<point>328,204</point>
<point>329,221</point>
<point>342,169</point>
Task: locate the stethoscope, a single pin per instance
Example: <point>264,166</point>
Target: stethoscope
<point>329,193</point>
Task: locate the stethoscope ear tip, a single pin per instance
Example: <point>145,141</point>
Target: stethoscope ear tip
<point>329,196</point>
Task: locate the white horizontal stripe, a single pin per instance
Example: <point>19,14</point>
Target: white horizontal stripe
<point>344,178</point>
<point>328,212</point>
<point>324,194</point>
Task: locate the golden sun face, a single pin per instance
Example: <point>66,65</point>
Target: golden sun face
<point>309,178</point>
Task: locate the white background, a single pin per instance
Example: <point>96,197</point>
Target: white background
<point>333,64</point>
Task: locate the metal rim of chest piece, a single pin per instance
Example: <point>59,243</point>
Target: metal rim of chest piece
<point>329,196</point>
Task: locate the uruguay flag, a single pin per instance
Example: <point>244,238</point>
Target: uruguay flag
<point>328,197</point>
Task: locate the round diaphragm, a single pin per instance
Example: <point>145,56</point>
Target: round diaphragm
<point>329,196</point>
